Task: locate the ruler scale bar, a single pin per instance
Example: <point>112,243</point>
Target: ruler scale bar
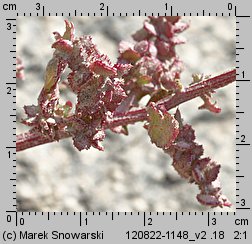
<point>126,226</point>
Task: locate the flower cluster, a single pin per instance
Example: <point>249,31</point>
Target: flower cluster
<point>187,161</point>
<point>156,67</point>
<point>96,82</point>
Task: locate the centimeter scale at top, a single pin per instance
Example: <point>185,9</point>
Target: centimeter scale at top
<point>104,9</point>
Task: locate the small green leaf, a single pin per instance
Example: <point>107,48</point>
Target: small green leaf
<point>163,128</point>
<point>50,76</point>
<point>143,79</point>
<point>131,55</point>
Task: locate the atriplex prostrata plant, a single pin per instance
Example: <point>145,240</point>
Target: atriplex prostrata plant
<point>108,97</point>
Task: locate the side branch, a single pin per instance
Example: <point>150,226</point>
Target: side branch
<point>199,89</point>
<point>32,139</point>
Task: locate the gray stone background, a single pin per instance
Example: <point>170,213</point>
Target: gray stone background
<point>132,174</point>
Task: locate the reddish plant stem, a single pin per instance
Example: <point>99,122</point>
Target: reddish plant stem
<point>31,139</point>
<point>190,92</point>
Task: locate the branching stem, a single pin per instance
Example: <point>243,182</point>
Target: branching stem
<point>31,139</point>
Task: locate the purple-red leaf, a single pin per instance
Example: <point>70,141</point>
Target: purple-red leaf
<point>19,69</point>
<point>101,68</point>
<point>128,53</point>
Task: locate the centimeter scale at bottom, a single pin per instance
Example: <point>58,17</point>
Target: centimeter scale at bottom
<point>127,225</point>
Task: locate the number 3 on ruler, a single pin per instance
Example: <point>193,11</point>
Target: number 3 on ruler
<point>213,221</point>
<point>37,6</point>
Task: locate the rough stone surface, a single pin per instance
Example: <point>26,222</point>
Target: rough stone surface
<point>132,174</point>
